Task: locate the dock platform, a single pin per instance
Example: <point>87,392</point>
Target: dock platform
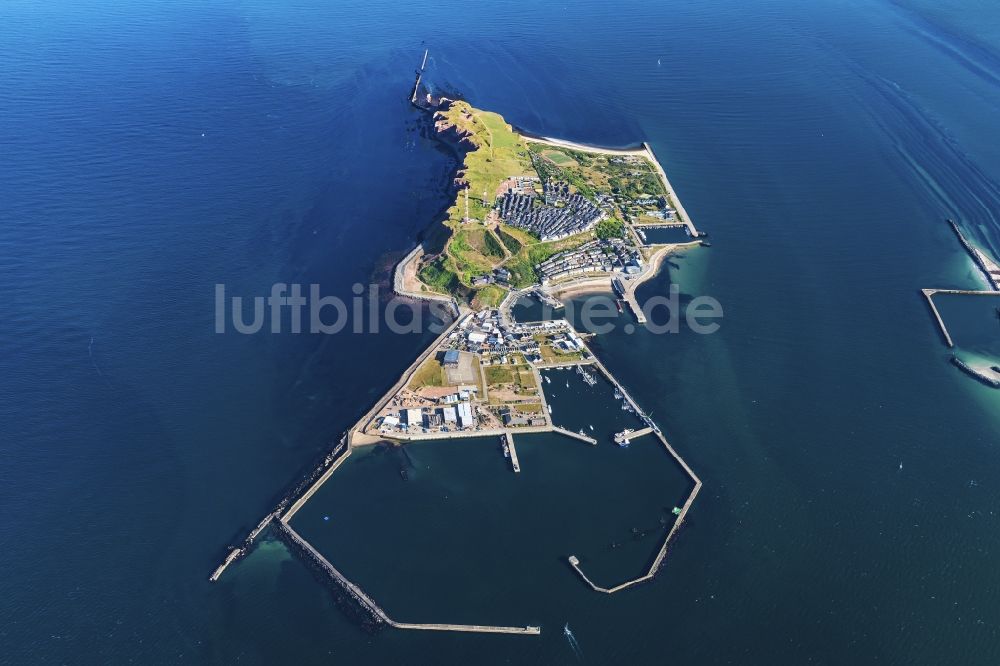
<point>515,465</point>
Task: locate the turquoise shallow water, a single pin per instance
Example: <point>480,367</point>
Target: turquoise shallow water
<point>152,150</point>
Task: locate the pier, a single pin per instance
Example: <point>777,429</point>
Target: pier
<point>420,74</point>
<point>633,303</point>
<point>509,440</point>
<point>575,435</point>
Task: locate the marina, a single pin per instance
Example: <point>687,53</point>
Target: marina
<point>359,436</point>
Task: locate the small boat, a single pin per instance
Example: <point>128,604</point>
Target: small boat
<point>618,304</point>
<point>591,428</point>
<point>547,380</point>
<point>567,384</point>
<point>550,409</point>
<point>621,438</point>
<point>618,394</point>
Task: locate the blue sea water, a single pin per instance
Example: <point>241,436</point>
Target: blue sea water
<point>150,150</point>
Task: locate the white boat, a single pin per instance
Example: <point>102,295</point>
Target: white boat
<point>550,409</point>
<point>621,438</point>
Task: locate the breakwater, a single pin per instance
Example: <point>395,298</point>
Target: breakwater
<point>990,272</point>
<point>991,381</point>
<point>329,462</point>
<point>680,514</point>
<point>661,554</point>
<point>377,615</point>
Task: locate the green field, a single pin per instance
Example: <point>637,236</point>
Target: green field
<point>429,374</point>
<point>499,153</point>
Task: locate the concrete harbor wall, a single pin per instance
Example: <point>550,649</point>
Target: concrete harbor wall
<point>367,604</point>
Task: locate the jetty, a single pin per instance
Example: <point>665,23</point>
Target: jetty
<point>509,442</point>
<point>575,435</point>
<point>420,75</point>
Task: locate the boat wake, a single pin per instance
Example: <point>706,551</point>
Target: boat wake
<point>571,639</point>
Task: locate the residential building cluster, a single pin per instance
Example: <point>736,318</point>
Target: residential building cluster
<point>597,256</point>
<point>549,222</point>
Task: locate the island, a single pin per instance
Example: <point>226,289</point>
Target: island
<point>535,213</point>
<point>529,215</point>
